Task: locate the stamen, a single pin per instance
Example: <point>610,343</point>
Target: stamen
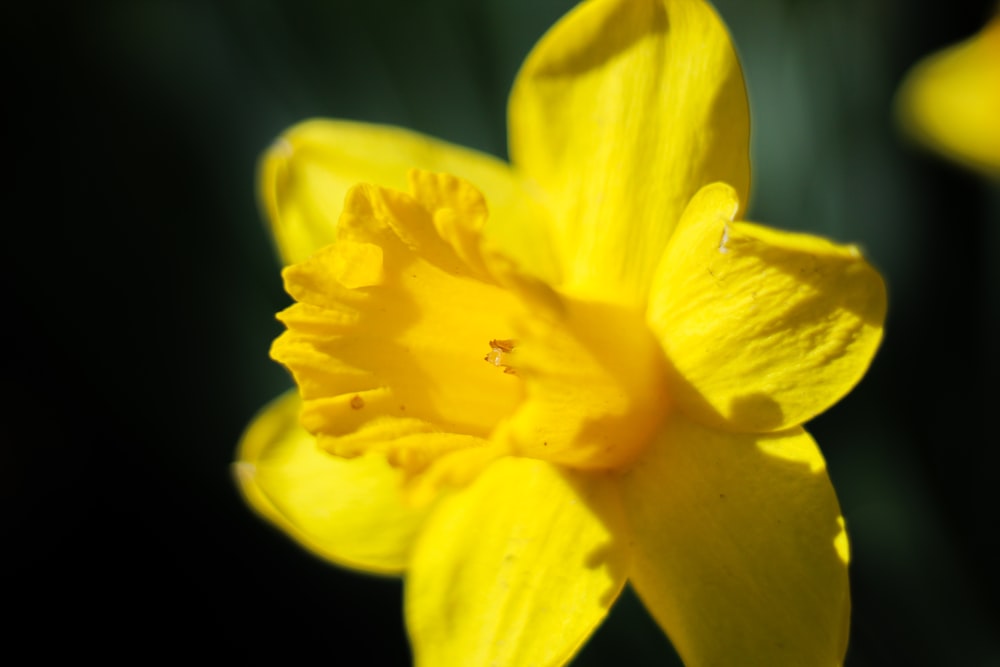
<point>498,348</point>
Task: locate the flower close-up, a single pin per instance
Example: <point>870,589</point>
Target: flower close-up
<point>950,100</point>
<point>523,385</point>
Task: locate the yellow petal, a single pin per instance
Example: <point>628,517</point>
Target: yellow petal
<point>306,174</point>
<point>764,329</point>
<point>620,114</point>
<point>346,511</point>
<point>951,100</point>
<point>516,569</point>
<point>740,550</point>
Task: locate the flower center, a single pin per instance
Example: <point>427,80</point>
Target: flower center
<point>386,341</point>
<point>595,385</point>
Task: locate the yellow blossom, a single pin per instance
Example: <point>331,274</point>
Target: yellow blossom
<point>522,385</point>
<point>950,101</point>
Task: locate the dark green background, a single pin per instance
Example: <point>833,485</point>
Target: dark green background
<point>141,292</point>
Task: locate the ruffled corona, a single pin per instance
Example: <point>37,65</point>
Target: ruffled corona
<point>387,338</point>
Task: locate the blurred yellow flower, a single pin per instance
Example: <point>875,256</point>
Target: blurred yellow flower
<point>951,101</point>
<point>524,385</point>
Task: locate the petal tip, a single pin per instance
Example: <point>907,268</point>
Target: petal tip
<point>244,472</point>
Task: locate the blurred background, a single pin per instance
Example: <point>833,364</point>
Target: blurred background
<point>142,289</point>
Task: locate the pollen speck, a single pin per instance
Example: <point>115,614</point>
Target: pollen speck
<point>357,402</point>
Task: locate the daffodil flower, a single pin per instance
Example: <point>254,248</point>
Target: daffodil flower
<point>522,385</point>
<point>950,101</point>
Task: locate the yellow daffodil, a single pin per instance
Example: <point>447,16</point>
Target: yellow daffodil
<point>522,385</point>
<point>951,101</point>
